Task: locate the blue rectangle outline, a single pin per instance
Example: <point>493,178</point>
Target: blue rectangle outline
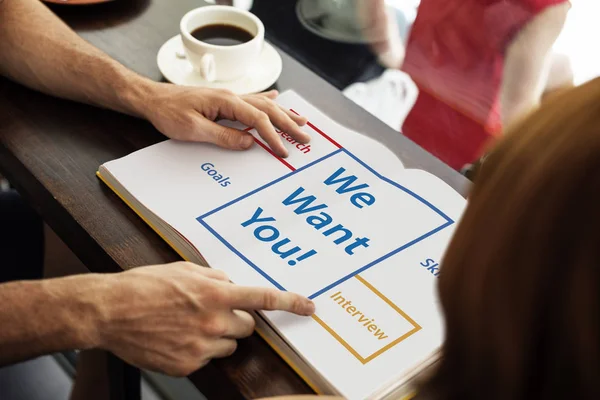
<point>449,222</point>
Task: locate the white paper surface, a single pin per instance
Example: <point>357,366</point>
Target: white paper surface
<point>340,221</point>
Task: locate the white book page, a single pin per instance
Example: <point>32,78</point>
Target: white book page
<point>340,221</point>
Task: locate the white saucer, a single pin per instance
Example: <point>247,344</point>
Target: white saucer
<point>176,69</point>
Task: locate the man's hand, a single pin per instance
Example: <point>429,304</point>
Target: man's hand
<point>66,66</point>
<point>170,318</point>
<point>188,114</point>
<point>175,318</point>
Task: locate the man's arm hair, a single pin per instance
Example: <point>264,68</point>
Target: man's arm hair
<point>527,63</point>
<point>41,317</point>
<point>40,51</point>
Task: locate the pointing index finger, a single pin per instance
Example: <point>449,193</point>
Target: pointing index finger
<point>256,298</point>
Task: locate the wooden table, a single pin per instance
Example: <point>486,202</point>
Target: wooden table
<point>50,150</point>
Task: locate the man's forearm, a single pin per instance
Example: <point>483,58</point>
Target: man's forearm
<point>41,317</point>
<point>38,50</point>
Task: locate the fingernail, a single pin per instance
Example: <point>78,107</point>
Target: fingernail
<point>246,141</point>
<point>302,137</point>
<point>309,307</point>
<point>306,138</point>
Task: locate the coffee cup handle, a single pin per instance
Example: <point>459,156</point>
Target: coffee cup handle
<point>208,69</point>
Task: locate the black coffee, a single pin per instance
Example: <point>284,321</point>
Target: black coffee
<point>222,34</point>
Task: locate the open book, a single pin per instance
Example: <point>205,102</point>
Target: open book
<point>340,221</point>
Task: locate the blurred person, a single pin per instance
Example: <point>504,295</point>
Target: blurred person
<point>479,65</point>
<point>170,318</point>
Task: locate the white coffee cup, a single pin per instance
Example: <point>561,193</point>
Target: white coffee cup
<point>221,63</point>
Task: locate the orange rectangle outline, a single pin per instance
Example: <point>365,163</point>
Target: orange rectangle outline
<point>363,360</point>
